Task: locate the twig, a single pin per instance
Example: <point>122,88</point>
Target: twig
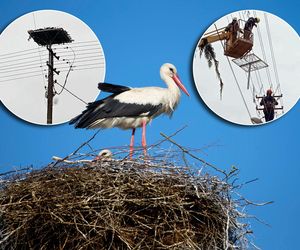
<point>170,136</point>
<point>184,150</point>
<point>81,146</point>
<point>56,158</point>
<point>16,170</point>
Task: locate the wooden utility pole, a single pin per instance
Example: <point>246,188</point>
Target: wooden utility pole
<point>50,87</point>
<point>47,37</point>
<point>50,93</point>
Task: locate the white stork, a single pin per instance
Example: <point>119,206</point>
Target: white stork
<point>130,108</point>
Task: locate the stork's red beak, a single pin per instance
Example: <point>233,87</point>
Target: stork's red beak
<point>180,84</point>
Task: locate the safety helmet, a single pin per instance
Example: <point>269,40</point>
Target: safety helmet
<point>269,92</point>
<point>257,19</point>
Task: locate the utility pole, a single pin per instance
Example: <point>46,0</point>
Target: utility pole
<point>50,87</point>
<point>47,37</point>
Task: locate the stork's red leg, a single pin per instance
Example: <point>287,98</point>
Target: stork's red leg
<point>131,143</point>
<point>144,144</point>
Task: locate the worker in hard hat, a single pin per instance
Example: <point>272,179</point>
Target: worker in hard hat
<point>251,22</point>
<point>269,103</point>
<point>233,28</point>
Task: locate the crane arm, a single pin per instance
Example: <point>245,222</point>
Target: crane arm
<point>214,37</point>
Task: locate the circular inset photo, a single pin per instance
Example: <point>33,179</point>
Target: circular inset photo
<point>50,65</point>
<point>245,67</point>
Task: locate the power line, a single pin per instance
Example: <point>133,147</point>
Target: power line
<point>91,41</point>
<point>22,69</point>
<point>23,66</point>
<point>77,61</point>
<point>45,57</point>
<point>77,50</point>
<point>253,90</point>
<point>41,64</point>
<point>18,78</point>
<point>263,53</point>
<point>259,80</point>
<point>272,51</point>
<point>18,52</point>
<point>21,63</point>
<point>86,53</point>
<point>20,74</point>
<point>19,59</point>
<point>239,88</point>
<point>25,74</point>
<point>240,15</point>
<point>38,51</point>
<point>254,84</point>
<point>78,46</point>
<point>32,49</point>
<point>70,68</point>
<point>79,69</point>
<point>37,63</point>
<point>29,53</point>
<point>14,66</point>
<point>83,65</point>
<point>77,97</point>
<point>84,57</point>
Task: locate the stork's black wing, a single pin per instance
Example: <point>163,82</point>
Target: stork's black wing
<point>110,107</point>
<point>114,108</point>
<point>88,115</point>
<point>83,120</point>
<point>112,88</point>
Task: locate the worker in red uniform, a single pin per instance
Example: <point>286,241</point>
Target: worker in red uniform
<point>269,103</point>
<point>251,22</point>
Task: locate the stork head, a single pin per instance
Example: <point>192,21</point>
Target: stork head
<point>168,71</point>
<point>105,153</point>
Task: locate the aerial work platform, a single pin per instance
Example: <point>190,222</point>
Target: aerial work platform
<point>239,47</point>
<point>236,44</point>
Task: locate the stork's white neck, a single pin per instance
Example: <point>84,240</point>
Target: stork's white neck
<point>173,92</point>
<point>172,86</point>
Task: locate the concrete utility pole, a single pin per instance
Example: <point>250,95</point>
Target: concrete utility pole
<point>47,37</point>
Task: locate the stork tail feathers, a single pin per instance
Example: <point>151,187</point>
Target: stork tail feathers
<point>112,88</point>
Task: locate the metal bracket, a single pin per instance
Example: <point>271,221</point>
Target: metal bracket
<point>53,69</point>
<point>249,63</point>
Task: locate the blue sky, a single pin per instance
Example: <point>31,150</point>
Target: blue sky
<point>137,37</point>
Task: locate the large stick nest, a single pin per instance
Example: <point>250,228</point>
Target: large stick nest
<point>118,204</point>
